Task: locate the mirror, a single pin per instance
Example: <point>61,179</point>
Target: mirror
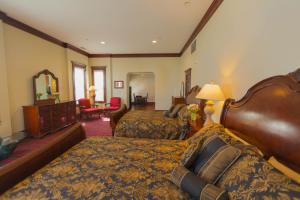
<point>45,87</point>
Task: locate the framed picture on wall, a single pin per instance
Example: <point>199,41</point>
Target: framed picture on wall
<point>118,84</point>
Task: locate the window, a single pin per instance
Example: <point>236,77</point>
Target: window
<point>98,77</point>
<point>79,81</point>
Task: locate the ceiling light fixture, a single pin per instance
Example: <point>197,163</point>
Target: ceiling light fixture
<point>154,41</point>
<point>102,42</point>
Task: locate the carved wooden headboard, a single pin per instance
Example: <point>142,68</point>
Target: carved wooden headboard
<point>268,116</point>
<point>191,96</point>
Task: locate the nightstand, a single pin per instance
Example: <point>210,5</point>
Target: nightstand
<point>195,125</point>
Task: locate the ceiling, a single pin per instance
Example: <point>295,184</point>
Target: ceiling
<point>126,26</point>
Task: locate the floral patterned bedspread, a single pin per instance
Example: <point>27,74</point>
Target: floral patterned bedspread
<point>150,124</point>
<point>134,168</point>
<point>107,168</point>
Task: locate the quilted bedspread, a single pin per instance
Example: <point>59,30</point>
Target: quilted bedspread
<point>107,168</point>
<point>150,124</point>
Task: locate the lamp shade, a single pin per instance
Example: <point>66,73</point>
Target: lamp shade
<point>211,92</point>
<point>92,88</point>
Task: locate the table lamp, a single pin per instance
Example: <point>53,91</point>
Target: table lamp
<point>92,91</point>
<point>210,92</point>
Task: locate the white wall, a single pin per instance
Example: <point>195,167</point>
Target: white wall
<point>5,123</point>
<point>245,42</point>
<point>143,84</point>
<point>166,72</point>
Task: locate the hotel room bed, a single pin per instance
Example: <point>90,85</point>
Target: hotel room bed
<point>154,124</point>
<point>151,124</point>
<point>131,168</point>
<point>137,168</point>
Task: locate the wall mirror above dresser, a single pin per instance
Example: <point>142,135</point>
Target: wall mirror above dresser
<point>45,88</point>
<point>48,114</point>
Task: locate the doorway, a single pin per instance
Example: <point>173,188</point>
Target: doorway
<point>141,88</point>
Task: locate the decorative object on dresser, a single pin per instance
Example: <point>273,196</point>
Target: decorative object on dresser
<point>45,88</point>
<point>43,119</point>
<point>177,100</point>
<point>210,92</point>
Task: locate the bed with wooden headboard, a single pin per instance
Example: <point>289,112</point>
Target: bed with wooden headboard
<point>268,116</point>
<point>155,124</point>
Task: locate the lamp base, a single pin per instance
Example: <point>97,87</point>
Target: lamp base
<point>92,99</point>
<point>209,111</point>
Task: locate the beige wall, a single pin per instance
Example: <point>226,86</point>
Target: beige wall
<point>166,71</point>
<point>166,77</point>
<point>26,55</point>
<point>245,42</point>
<point>5,123</point>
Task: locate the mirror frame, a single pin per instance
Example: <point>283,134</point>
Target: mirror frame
<point>44,72</point>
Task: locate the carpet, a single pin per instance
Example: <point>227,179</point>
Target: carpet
<point>97,127</point>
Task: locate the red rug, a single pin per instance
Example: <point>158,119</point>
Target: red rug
<point>95,127</point>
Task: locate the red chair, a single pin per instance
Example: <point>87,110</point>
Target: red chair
<point>114,104</point>
<point>86,108</point>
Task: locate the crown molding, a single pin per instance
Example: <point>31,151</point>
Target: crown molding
<point>135,55</point>
<point>78,50</point>
<point>209,13</point>
<point>24,27</point>
<point>20,25</point>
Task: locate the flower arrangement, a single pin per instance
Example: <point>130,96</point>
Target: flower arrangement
<point>193,109</point>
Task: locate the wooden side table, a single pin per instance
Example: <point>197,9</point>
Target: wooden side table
<point>195,125</point>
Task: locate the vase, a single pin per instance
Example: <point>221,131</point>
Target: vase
<point>193,116</point>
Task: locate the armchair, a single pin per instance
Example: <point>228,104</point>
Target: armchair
<point>114,104</point>
<point>87,109</point>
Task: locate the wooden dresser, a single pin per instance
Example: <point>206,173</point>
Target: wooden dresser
<point>43,119</point>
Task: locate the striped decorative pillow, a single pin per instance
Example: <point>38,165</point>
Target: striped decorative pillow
<point>214,158</point>
<point>195,186</point>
